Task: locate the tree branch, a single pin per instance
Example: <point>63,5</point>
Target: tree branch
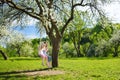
<point>68,21</point>
<point>40,6</point>
<point>49,3</point>
<point>13,5</point>
<point>61,9</point>
<point>72,12</point>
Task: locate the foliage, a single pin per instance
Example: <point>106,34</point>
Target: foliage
<point>99,37</point>
<point>103,49</point>
<point>69,49</point>
<point>34,44</point>
<point>100,32</point>
<point>91,51</point>
<point>99,41</point>
<point>15,42</point>
<point>115,42</point>
<point>26,50</point>
<point>76,30</point>
<point>85,48</point>
<point>115,39</point>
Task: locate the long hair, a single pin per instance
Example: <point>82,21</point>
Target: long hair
<point>41,46</point>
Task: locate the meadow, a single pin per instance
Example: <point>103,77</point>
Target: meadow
<point>72,68</point>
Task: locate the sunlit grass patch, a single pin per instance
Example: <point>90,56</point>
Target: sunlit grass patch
<point>75,69</point>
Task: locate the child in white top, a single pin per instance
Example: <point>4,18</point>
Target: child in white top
<point>43,53</point>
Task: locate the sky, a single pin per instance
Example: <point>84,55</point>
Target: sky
<point>30,32</point>
<point>112,11</point>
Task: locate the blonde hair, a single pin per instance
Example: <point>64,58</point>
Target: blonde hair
<point>41,46</point>
<point>44,45</point>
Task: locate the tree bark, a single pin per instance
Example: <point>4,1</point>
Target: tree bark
<point>4,55</point>
<point>18,51</point>
<point>55,49</point>
<point>54,57</point>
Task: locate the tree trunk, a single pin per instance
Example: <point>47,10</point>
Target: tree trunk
<point>18,50</point>
<point>18,53</point>
<point>4,55</point>
<point>79,52</point>
<point>116,52</point>
<point>55,50</point>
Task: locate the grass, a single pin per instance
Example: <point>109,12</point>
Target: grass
<point>75,69</point>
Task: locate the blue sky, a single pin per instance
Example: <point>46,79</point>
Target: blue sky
<point>30,32</point>
<point>112,11</point>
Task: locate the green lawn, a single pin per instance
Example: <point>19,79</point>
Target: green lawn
<point>75,69</point>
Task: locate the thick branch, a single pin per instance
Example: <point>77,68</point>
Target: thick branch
<point>4,55</point>
<point>49,3</point>
<point>40,7</point>
<point>13,5</point>
<point>68,21</point>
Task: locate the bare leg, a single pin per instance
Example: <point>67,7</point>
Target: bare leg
<point>47,63</point>
<point>43,61</point>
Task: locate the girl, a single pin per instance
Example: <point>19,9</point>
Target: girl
<point>49,59</point>
<point>43,53</point>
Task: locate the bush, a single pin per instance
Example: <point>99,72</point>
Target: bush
<point>69,49</point>
<point>26,50</point>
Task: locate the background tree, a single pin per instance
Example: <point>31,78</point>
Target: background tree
<point>103,49</point>
<point>51,15</point>
<point>85,40</point>
<point>3,54</point>
<point>15,41</point>
<point>27,49</point>
<point>34,45</point>
<point>7,33</point>
<point>76,30</point>
<point>4,32</point>
<point>98,37</point>
<point>69,49</point>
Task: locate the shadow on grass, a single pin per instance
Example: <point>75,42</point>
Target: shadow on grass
<point>22,58</point>
<point>92,58</point>
<point>101,58</point>
<point>12,77</point>
<point>18,74</point>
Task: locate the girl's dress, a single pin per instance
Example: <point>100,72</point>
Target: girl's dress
<point>42,53</point>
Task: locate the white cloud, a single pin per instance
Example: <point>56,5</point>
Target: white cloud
<point>32,36</point>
